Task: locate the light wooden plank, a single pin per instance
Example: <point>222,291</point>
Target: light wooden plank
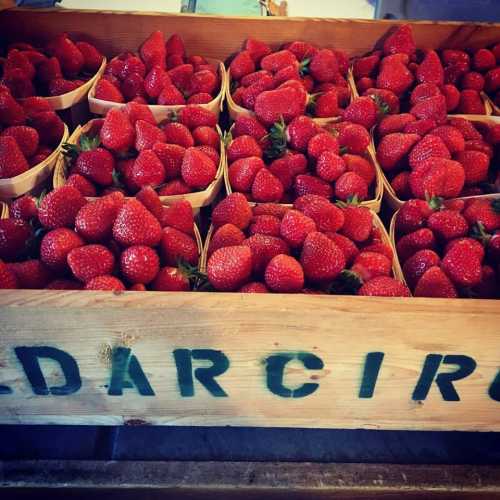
<point>248,329</point>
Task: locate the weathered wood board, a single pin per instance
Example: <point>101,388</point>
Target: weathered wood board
<point>254,360</point>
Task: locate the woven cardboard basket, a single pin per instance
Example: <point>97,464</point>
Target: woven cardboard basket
<point>198,199</point>
<point>25,182</point>
<point>4,210</point>
<point>100,107</point>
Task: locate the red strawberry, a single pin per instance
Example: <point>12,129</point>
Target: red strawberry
<point>132,65</point>
<point>357,223</point>
<point>462,265</point>
<point>175,45</point>
<point>281,169</point>
<point>272,105</point>
<point>62,86</point>
<point>14,238</point>
<point>134,225</point>
<point>26,137</point>
<point>147,135</point>
<point>400,185</point>
<point>355,138</point>
<point>295,226</point>
<point>434,283</point>
<point>484,60</point>
<point>83,185</point>
<point>300,131</point>
<point>393,148</point>
<point>179,215</point>
<point>430,69</point>
<point>327,105</point>
<point>327,217</point>
<point>330,166</point>
<point>229,268</point>
<point>105,283</point>
<point>171,279</point>
<point>471,103</point>
<point>394,76</point>
<point>361,166</point>
<point>117,132</point>
<point>365,66</point>
<point>243,146</point>
<point>363,111</point>
<point>413,215</point>
<point>147,170</point>
<point>243,64</point>
<point>195,116</point>
<point>197,169</point>
<point>268,225</point>
<point>49,126</point>
<point>284,274</point>
<point>347,246</point>
<point>492,80</point>
<point>225,236</point>
<point>475,164</point>
<point>423,91</point>
<point>132,87</point>
<point>433,107</point>
<point>387,96</point>
<point>89,261</point>
<point>324,66</point>
<point>400,41</point>
<point>68,54</point>
<point>201,98</point>
<point>437,177</point>
<point>33,105</point>
<point>392,124</point>
<point>278,60</point>
<point>384,286</point>
<point>452,138</point>
<point>170,96</point>
<point>139,264</point>
<point>206,136</point>
<point>24,208</point>
<point>12,160</point>
<point>156,80</point>
<point>486,212</point>
<point>173,188</point>
<point>18,62</point>
<point>8,279</point>
<point>242,173</point>
<point>60,206</point>
<point>368,265</point>
<point>233,209</point>
<point>153,51</point>
<point>417,265</point>
<point>413,242</point>
<point>248,125</point>
<point>203,81</point>
<point>321,259</point>
<point>106,91</point>
<point>466,127</point>
<point>257,49</point>
<point>266,187</point>
<point>349,185</point>
<point>92,58</point>
<point>97,165</point>
<point>270,209</point>
<point>254,287</point>
<point>307,184</point>
<point>473,80</point>
<point>447,225</point>
<point>150,199</point>
<point>452,96</point>
<point>474,246</point>
<point>365,83</point>
<point>290,72</point>
<point>177,133</point>
<point>429,146</point>
<point>55,247</point>
<point>322,142</point>
<point>11,113</point>
<point>264,248</point>
<point>95,220</point>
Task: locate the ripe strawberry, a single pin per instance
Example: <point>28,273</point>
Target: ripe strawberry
<point>206,136</point>
<point>266,187</point>
<point>179,215</point>
<point>242,173</point>
<point>55,247</point>
<point>117,132</point>
<point>394,76</point>
<point>348,247</point>
<point>229,268</point>
<point>492,80</point>
<point>452,138</point>
<point>285,102</point>
<point>195,116</point>
<point>147,135</point>
<point>177,133</point>
<point>357,223</point>
<point>281,169</point>
<point>150,199</point>
<point>243,64</point>
<point>26,137</point>
<point>248,125</point>
<point>49,126</point>
<point>295,226</point>
<point>387,96</point>
<point>153,51</point>
<point>201,98</point>
<point>400,41</point>
<point>254,287</point>
<point>413,215</point>
<point>139,264</point>
<point>452,96</point>
<point>107,91</point>
<point>243,146</point>
<point>268,225</point>
<point>12,160</point>
<point>61,86</point>
<point>473,80</point>
<point>132,65</point>
<point>197,169</point>
<point>147,170</point>
<point>105,283</point>
<point>360,166</point>
<point>175,46</point>
<point>171,96</point>
<point>321,259</point>
<point>11,112</point>
<point>68,54</point>
<point>486,212</point>
<point>392,124</point>
<point>59,207</point>
<point>81,183</point>
<point>324,66</point>
<point>475,164</point>
<point>203,81</point>
<point>300,131</point>
<point>434,283</point>
<point>33,105</point>
<point>173,188</point>
<point>95,220</point>
<point>284,274</point>
<point>270,209</point>
<point>134,225</point>
<point>484,60</point>
<point>364,83</point>
<point>24,208</point>
<point>462,265</point>
<point>437,177</point>
<point>418,264</point>
<point>429,146</point>
<point>447,225</point>
<point>349,185</point>
<point>379,247</point>
<point>430,69</point>
<point>264,248</point>
<point>327,105</point>
<point>355,138</point>
<point>155,81</point>
<point>413,242</point>
<point>433,107</point>
<point>278,60</point>
<point>17,62</point>
<point>401,186</point>
<point>330,166</point>
<point>473,245</point>
<point>8,279</point>
<point>393,149</point>
<point>384,286</point>
<point>321,142</point>
<point>365,66</point>
<point>368,265</point>
<point>233,209</point>
<point>363,111</point>
<point>92,58</point>
<point>133,87</point>
<point>171,279</point>
<point>471,103</point>
<point>307,184</point>
<point>89,261</point>
<point>14,238</point>
<point>423,91</point>
<point>257,49</point>
<point>466,127</point>
<point>96,165</point>
<point>225,236</point>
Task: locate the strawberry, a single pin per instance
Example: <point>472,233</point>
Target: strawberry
<point>429,146</point>
<point>197,169</point>
<point>95,220</point>
<point>105,283</point>
<point>351,184</point>
<point>49,126</point>
<point>379,247</point>
<point>452,138</point>
<point>11,113</point>
<point>430,69</point>
<point>360,166</point>
<point>12,160</point>
<point>211,153</point>
<point>368,265</point>
<point>268,225</point>
<point>355,138</point>
<point>150,199</point>
<point>106,91</point>
<point>295,226</point>
<point>132,87</point>
<point>147,135</point>
<point>401,186</point>
<point>174,187</point>
<point>447,225</point>
<point>17,61</point>
<point>89,261</point>
<point>254,77</point>
<point>254,287</point>
<point>487,287</point>
<point>117,132</point>
<point>281,169</point>
<point>452,96</point>
<point>243,146</point>
<point>392,124</point>
<point>347,246</point>
<point>243,64</point>
<point>278,60</point>
<point>357,223</point>
<point>33,105</point>
<point>417,265</point>
<point>257,49</point>
<point>134,225</point>
<point>492,80</point>
<point>365,66</point>
<point>195,116</point>
<point>96,165</point>
<point>394,76</point>
<point>171,279</point>
<point>387,96</point>
<point>270,209</point>
<point>321,142</point>
<point>153,51</point>
<point>484,60</point>
<point>433,107</point>
<point>466,127</point>
<point>229,268</point>
<point>233,209</point>
<point>132,65</point>
<point>363,111</point>
<point>14,238</point>
<point>423,91</point>
<point>203,81</point>
<point>284,274</point>
<point>179,215</point>
<point>400,41</point>
<point>68,54</point>
<point>248,125</point>
<point>393,148</point>
<point>434,283</point>
<point>307,184</point>
<point>412,242</point>
<point>139,264</point>
<point>384,286</point>
<point>206,136</point>
<point>330,166</point>
<point>473,80</point>
<point>473,245</point>
<point>321,259</point>
<point>147,170</point>
<point>437,177</point>
<point>264,248</point>
<point>324,66</point>
<point>60,207</point>
<point>284,102</point>
<point>201,98</point>
<point>155,81</point>
<point>26,137</point>
<point>266,187</point>
<point>62,86</point>
<point>413,215</point>
<point>327,105</point>
<point>486,212</point>
<point>225,236</point>
<point>364,83</point>
<point>297,162</point>
<point>92,58</point>
<point>290,72</point>
<point>471,103</point>
<point>300,131</point>
<point>55,247</point>
<point>170,96</point>
<point>24,208</point>
<point>242,172</point>
<point>327,217</point>
<point>8,279</point>
<point>462,265</point>
<point>83,185</point>
<point>475,164</point>
<point>177,133</point>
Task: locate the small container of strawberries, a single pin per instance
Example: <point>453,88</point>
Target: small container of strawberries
<point>161,75</point>
<point>66,242</point>
<point>63,71</point>
<point>296,156</point>
<point>314,247</point>
<point>259,76</point>
<point>31,135</point>
<point>181,158</point>
<point>449,248</point>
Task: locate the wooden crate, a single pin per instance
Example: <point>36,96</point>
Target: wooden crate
<point>231,359</point>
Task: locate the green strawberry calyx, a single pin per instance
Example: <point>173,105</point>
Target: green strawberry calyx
<point>347,283</point>
<point>479,233</point>
<point>277,139</point>
<point>434,202</point>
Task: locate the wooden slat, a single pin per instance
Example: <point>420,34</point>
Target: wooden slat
<point>248,329</point>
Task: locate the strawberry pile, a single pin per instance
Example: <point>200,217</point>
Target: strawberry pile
<point>127,150</point>
<point>430,157</point>
<point>29,132</point>
<point>420,81</point>
<point>261,78</point>
<point>60,67</point>
<point>161,73</point>
<point>112,243</point>
<point>316,247</point>
<point>450,249</point>
<point>288,161</point>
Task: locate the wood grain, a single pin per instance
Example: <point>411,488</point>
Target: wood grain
<point>249,328</point>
